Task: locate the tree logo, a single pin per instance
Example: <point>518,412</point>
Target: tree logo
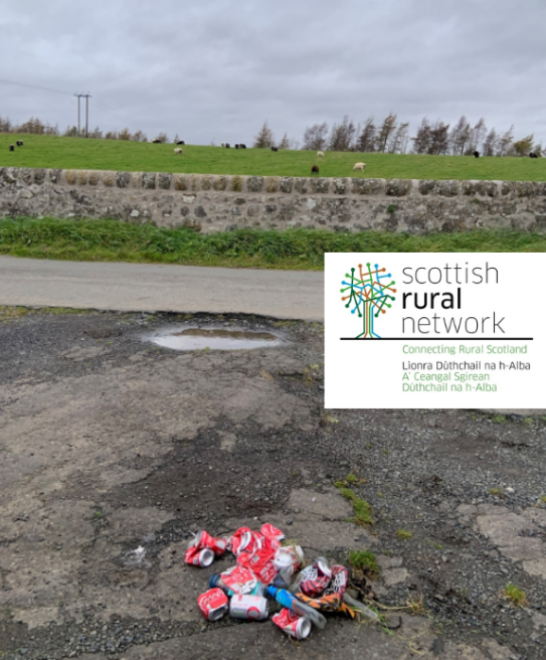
<point>368,296</point>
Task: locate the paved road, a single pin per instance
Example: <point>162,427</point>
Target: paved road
<point>151,288</point>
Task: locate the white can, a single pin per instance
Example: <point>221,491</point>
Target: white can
<point>254,608</point>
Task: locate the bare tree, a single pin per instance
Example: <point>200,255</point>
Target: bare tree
<point>459,137</point>
<point>423,138</point>
<point>314,138</point>
<point>478,136</point>
<point>162,137</point>
<point>399,141</point>
<point>490,143</point>
<point>264,139</point>
<point>139,136</point>
<point>439,139</point>
<point>505,142</point>
<point>366,139</point>
<point>124,134</point>
<point>385,132</point>
<point>285,142</point>
<point>342,135</point>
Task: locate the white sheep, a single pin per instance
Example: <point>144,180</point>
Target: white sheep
<point>222,144</point>
<point>320,154</point>
<point>178,150</point>
<point>359,166</point>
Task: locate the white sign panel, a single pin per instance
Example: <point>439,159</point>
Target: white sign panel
<point>443,330</point>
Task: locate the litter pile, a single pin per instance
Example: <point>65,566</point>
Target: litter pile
<point>268,571</point>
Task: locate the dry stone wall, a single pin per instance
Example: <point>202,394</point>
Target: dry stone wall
<point>218,203</point>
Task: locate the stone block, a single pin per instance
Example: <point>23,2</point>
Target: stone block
<point>253,210</point>
<point>39,176</point>
<point>200,212</point>
<point>398,187</point>
<point>320,185</point>
<point>237,183</point>
<point>508,188</point>
<point>527,189</point>
<point>70,177</point>
<point>123,179</point>
<point>194,182</point>
<point>341,186</point>
<point>108,179</point>
<point>272,184</point>
<point>180,182</point>
<point>82,177</point>
<point>55,175</point>
<point>148,180</point>
<point>220,182</point>
<point>368,186</point>
<point>93,178</point>
<point>164,180</point>
<point>301,185</point>
<point>206,182</point>
<point>285,184</point>
<point>136,180</point>
<point>447,188</point>
<point>487,188</point>
<point>255,183</point>
<point>25,174</point>
<point>426,186</point>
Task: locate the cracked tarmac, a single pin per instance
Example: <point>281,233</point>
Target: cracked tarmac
<point>109,444</point>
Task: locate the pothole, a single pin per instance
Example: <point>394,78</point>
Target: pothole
<point>215,339</point>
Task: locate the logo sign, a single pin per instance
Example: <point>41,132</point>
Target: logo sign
<point>442,330</point>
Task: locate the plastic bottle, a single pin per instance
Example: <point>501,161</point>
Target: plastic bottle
<point>360,607</point>
<point>286,599</point>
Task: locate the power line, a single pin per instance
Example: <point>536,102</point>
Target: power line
<point>47,89</point>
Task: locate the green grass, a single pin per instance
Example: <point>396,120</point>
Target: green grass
<point>404,534</point>
<point>298,249</point>
<point>362,509</point>
<point>515,595</point>
<point>79,153</point>
<point>365,561</point>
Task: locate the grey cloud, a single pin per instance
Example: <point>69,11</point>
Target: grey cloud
<point>217,69</point>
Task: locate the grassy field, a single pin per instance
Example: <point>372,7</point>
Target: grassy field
<point>301,249</point>
<point>79,153</point>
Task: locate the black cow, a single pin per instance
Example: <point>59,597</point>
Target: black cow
<point>19,143</point>
<point>476,154</point>
<point>533,155</point>
<point>274,148</point>
<point>236,146</point>
<point>315,169</point>
<point>227,145</point>
<point>242,146</point>
<point>156,141</point>
<point>11,147</point>
<point>180,142</point>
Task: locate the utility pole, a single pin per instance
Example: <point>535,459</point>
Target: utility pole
<point>86,97</point>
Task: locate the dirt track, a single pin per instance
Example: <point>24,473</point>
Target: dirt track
<point>108,443</point>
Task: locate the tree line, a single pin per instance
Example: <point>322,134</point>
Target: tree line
<point>387,136</point>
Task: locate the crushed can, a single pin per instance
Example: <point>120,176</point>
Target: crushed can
<point>296,626</point>
<point>271,532</point>
<point>213,604</point>
<point>244,606</point>
<point>196,557</point>
<point>203,540</point>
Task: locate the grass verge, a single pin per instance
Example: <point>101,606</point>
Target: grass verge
<point>297,249</point>
<point>88,154</point>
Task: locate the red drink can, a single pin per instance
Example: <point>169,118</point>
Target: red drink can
<point>292,624</point>
<point>213,603</point>
<point>197,557</point>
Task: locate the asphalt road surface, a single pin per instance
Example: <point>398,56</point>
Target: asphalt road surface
<point>151,288</point>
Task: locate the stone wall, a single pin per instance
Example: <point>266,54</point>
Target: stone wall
<point>218,203</point>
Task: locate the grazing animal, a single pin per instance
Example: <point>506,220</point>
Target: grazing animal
<point>533,155</point>
<point>359,166</point>
<point>178,150</point>
<point>315,169</point>
<point>242,146</point>
<point>156,141</point>
<point>227,145</point>
<point>19,143</point>
<point>222,144</point>
<point>180,142</point>
<point>320,154</point>
<point>274,148</point>
<point>476,154</point>
<point>11,147</point>
<point>236,146</point>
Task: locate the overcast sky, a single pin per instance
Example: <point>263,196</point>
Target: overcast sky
<point>216,69</point>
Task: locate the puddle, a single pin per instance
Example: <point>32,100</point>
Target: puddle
<point>194,339</point>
